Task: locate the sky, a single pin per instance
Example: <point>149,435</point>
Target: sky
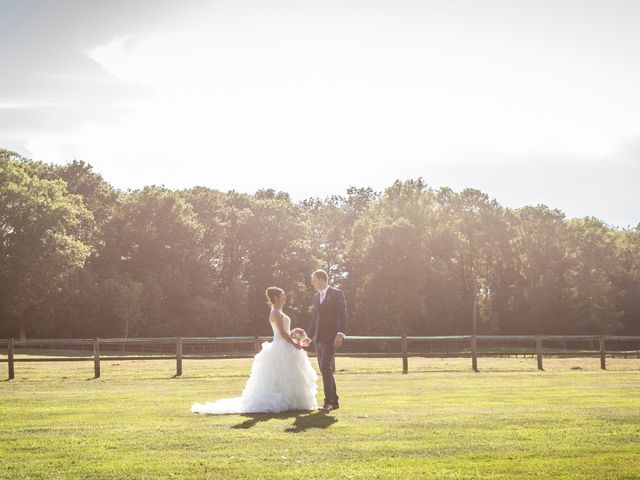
<point>532,102</point>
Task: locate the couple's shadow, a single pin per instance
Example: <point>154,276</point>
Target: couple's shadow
<point>303,420</point>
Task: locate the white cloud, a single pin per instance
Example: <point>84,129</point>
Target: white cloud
<point>311,104</point>
<point>24,104</point>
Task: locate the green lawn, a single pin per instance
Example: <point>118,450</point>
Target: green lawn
<point>440,421</point>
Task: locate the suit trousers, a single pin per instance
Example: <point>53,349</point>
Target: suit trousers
<point>326,353</point>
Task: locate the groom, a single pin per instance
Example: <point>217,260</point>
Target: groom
<point>327,330</point>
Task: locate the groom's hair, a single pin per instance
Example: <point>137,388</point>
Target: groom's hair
<point>321,274</point>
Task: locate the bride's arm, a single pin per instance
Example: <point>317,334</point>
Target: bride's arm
<point>277,318</point>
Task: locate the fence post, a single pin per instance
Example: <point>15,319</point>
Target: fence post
<point>474,353</point>
<point>603,364</point>
<point>539,351</point>
<point>405,359</point>
<point>178,356</point>
<point>10,360</point>
<point>96,358</point>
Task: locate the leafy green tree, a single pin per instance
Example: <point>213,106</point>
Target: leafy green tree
<point>593,305</point>
<point>41,227</point>
<point>626,280</point>
<point>155,239</point>
<point>97,195</point>
<point>80,258</point>
<point>331,222</point>
<point>225,220</point>
<point>471,245</point>
<point>539,295</point>
<point>278,253</point>
<point>388,266</point>
<point>388,297</point>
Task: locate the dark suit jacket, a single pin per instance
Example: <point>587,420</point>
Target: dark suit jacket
<point>329,317</point>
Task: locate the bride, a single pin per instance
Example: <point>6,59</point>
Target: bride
<point>282,377</point>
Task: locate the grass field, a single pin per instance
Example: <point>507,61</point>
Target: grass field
<point>440,421</point>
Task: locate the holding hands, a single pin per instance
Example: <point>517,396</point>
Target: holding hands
<point>300,338</point>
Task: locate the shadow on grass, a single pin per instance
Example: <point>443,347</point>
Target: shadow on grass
<point>302,420</point>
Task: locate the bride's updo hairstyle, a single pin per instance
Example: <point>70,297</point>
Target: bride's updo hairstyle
<point>272,295</point>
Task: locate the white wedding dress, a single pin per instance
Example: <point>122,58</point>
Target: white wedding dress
<point>281,379</point>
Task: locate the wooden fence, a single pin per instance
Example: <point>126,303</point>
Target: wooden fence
<point>403,341</point>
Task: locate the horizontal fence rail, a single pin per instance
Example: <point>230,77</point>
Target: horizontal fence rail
<point>177,345</point>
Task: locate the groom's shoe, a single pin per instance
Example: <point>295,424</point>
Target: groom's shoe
<point>335,406</point>
<point>327,407</point>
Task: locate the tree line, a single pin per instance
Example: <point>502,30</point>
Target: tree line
<point>79,258</point>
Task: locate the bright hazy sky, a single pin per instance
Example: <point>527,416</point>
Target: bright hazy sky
<point>530,101</point>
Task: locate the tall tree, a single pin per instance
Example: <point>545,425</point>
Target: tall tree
<point>472,237</point>
<point>626,281</point>
<point>539,296</point>
<point>593,299</point>
<point>41,227</point>
<point>155,239</point>
<point>278,253</point>
<point>80,258</point>
<point>388,265</point>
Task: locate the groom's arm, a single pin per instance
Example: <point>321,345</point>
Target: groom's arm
<point>312,324</point>
<point>342,314</point>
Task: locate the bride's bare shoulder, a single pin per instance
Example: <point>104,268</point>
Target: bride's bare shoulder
<point>275,314</point>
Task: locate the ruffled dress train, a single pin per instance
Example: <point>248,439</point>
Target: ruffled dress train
<point>282,379</point>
